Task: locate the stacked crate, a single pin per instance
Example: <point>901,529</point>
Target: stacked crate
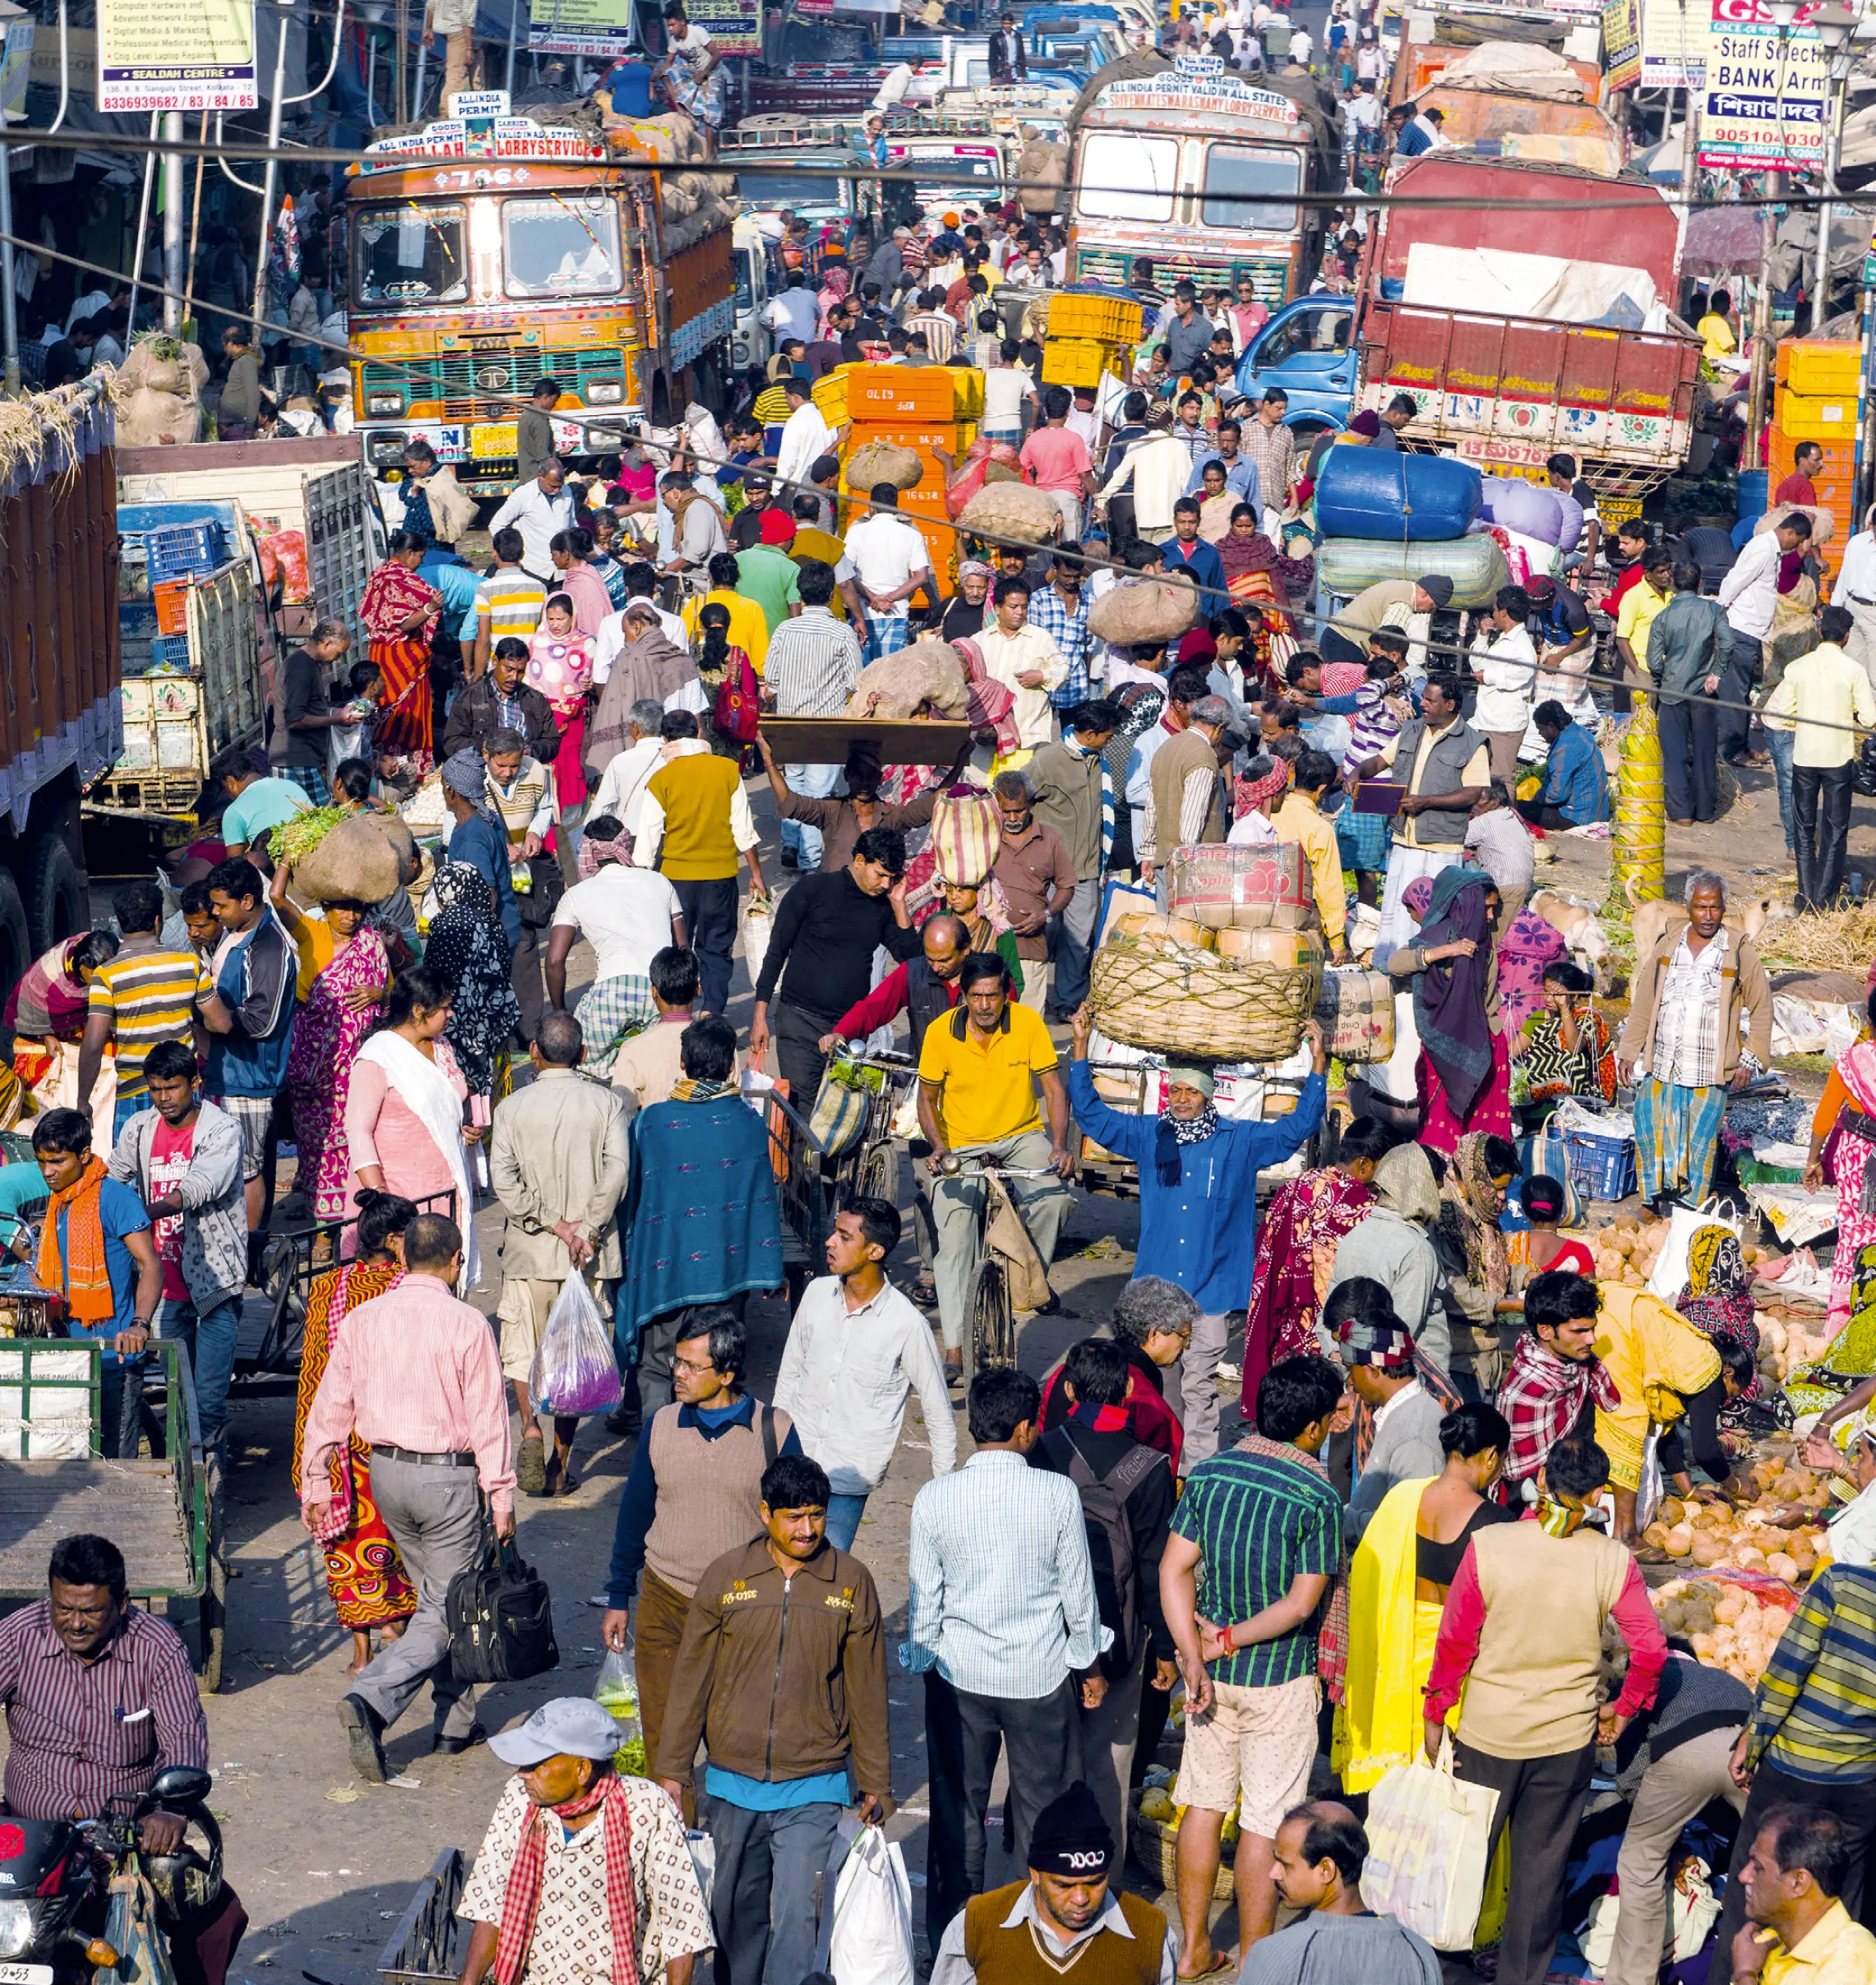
<point>922,407</point>
<point>1091,333</point>
<point>158,568</point>
<point>1814,399</point>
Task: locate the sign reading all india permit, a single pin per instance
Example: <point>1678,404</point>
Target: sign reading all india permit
<point>1199,83</point>
<point>176,55</point>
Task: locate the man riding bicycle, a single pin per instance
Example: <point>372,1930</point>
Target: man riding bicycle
<point>978,1075</point>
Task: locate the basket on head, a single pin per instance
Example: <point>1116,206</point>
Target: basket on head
<point>1170,1002</point>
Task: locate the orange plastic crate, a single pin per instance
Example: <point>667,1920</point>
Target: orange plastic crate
<point>172,598</point>
<point>900,393</point>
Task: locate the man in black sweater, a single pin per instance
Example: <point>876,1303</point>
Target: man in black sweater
<point>1127,1497</point>
<point>826,931</point>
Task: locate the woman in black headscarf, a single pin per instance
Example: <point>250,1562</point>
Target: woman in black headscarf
<point>465,944</point>
<point>1465,1064</point>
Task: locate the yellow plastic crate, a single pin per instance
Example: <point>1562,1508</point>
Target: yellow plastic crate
<point>1113,319</point>
<point>1078,361</point>
<point>830,394</point>
<point>1820,371</point>
<point>899,395</point>
<point>966,392</point>
<point>1818,416</point>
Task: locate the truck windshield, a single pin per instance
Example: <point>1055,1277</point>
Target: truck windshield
<point>410,254</point>
<point>1242,186</point>
<point>1114,164</point>
<point>766,192</point>
<point>559,245</point>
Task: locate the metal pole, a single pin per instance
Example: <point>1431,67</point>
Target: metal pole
<point>9,301</point>
<point>1690,147</point>
<point>1756,407</point>
<point>273,171</point>
<point>142,223</point>
<point>422,63</point>
<point>1833,138</point>
<point>403,30</point>
<point>514,28</point>
<point>195,232</point>
<point>1859,493</point>
<point>173,223</point>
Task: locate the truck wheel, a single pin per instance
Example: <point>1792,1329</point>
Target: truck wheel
<point>17,953</point>
<point>55,900</point>
<point>708,376</point>
<point>660,402</point>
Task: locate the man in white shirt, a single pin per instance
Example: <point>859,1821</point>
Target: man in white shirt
<point>626,914</point>
<point>1749,593</point>
<point>893,90</point>
<point>1826,692</point>
<point>891,561</point>
<point>1023,658</point>
<point>1157,469</point>
<point>621,785</point>
<point>1363,114</point>
<point>539,510</point>
<point>1302,47</point>
<point>1005,386</point>
<point>1504,664</point>
<point>856,1351</point>
<point>805,437</point>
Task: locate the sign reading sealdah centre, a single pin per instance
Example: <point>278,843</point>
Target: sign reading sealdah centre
<point>176,55</point>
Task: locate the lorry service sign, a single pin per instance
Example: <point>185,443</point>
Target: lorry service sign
<point>1201,84</point>
<point>1765,89</point>
<point>1674,43</point>
<point>176,55</point>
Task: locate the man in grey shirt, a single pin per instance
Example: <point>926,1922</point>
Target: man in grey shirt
<point>1379,1354</point>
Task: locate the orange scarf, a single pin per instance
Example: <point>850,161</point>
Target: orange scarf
<point>84,1278</point>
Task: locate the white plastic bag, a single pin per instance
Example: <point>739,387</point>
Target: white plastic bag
<point>871,1939</point>
<point>1653,1491</point>
<point>1670,1274</point>
<point>704,1859</point>
<point>1427,1836</point>
<point>574,1371</point>
<point>758,920</point>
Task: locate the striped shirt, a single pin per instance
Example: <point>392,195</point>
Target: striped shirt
<point>813,661</point>
<point>1002,1590</point>
<point>771,406</point>
<point>512,601</point>
<point>86,1732</point>
<point>146,996</point>
<point>1815,1714</point>
<point>1069,631</point>
<point>940,330</point>
<point>1261,1521</point>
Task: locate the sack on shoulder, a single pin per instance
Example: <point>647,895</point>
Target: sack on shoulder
<point>500,1616</point>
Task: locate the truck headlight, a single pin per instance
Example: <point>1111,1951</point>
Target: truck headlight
<point>387,448</point>
<point>384,402</point>
<point>16,1928</point>
<point>606,392</point>
<point>605,437</point>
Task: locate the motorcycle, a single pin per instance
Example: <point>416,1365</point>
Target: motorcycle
<point>78,1896</point>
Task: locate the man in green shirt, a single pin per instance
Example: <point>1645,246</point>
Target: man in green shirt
<point>767,575</point>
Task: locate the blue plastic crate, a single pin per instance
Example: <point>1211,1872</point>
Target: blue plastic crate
<point>137,619</point>
<point>169,651</point>
<point>1600,1167</point>
<point>176,550</point>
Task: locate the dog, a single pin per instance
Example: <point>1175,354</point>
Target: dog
<point>1581,932</point>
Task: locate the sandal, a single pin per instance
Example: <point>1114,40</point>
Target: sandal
<point>531,1466</point>
<point>569,1480</point>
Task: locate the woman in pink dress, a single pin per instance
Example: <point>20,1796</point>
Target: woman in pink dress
<point>560,665</point>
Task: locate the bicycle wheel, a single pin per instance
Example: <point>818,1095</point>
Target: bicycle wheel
<point>992,1321</point>
<point>876,1175</point>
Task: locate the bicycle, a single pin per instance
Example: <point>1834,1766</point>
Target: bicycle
<point>868,1169</point>
<point>989,1317</point>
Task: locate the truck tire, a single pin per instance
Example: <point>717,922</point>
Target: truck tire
<point>56,908</point>
<point>16,952</point>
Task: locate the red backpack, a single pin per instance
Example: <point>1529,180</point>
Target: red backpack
<point>738,713</point>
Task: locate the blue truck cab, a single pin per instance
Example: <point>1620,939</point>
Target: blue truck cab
<point>1307,349</point>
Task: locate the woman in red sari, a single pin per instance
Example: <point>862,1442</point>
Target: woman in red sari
<point>363,1571</point>
<point>1295,1251</point>
<point>399,611</point>
<point>1258,575</point>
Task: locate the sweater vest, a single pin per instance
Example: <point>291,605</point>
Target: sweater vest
<point>695,792</point>
<point>1019,1956</point>
<point>709,1493</point>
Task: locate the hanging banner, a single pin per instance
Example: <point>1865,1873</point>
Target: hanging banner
<point>734,26</point>
<point>1765,91</point>
<point>1674,43</point>
<point>602,28</point>
<point>176,55</point>
<point>1621,44</point>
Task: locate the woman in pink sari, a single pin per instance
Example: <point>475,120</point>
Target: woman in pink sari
<point>560,665</point>
<point>1845,1122</point>
<point>834,280</point>
<point>340,1010</point>
<point>1295,1251</point>
<point>400,612</point>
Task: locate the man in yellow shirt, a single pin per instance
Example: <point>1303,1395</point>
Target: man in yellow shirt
<point>1827,693</point>
<point>1641,604</point>
<point>1796,1931</point>
<point>978,1072</point>
<point>1299,820</point>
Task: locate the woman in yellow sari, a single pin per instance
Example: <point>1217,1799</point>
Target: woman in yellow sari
<point>1659,1361</point>
<point>1407,1557</point>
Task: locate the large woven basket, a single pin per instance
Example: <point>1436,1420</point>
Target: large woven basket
<point>1171,1003</point>
<point>1155,1845</point>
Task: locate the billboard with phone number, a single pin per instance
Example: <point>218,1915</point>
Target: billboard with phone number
<point>1765,91</point>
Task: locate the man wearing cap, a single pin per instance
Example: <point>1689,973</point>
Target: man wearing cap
<point>781,1679</point>
<point>1388,602</point>
<point>1066,1914</point>
<point>585,1875</point>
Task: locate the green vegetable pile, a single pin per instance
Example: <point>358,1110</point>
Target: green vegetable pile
<point>294,840</point>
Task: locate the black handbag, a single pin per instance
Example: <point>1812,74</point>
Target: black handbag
<point>1863,770</point>
<point>499,1615</point>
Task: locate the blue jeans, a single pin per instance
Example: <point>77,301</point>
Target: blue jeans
<point>1743,652</point>
<point>208,1338</point>
<point>1780,744</point>
<point>764,1903</point>
<point>843,1515</point>
<point>811,782</point>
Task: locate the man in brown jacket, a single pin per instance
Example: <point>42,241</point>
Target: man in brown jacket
<point>1682,1043</point>
<point>1187,801</point>
<point>782,1675</point>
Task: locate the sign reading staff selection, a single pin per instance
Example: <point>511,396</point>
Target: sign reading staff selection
<point>176,55</point>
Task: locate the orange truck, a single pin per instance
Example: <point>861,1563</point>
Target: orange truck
<point>489,250</point>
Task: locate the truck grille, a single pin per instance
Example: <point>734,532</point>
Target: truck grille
<point>1113,266</point>
<point>487,383</point>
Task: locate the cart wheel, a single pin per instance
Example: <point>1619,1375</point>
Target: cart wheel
<point>993,1323</point>
<point>874,1175</point>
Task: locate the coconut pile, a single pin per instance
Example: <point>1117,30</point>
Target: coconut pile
<point>1626,1249</point>
<point>1727,1626</point>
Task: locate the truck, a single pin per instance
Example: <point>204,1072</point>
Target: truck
<point>61,721</point>
<point>767,154</point>
<point>1504,391</point>
<point>1199,171</point>
<point>544,252</point>
<point>1064,51</point>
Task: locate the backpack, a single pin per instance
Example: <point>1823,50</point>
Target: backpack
<point>1110,1535</point>
<point>738,712</point>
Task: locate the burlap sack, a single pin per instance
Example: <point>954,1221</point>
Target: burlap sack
<point>149,419</point>
<point>927,679</point>
<point>880,461</point>
<point>1014,510</point>
<point>360,861</point>
<point>1042,176</point>
<point>1824,524</point>
<point>1145,610</point>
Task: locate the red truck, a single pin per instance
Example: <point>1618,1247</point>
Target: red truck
<point>61,721</point>
<point>1502,390</point>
